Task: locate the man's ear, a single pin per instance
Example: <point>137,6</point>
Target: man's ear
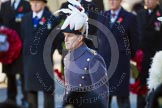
<point>80,38</point>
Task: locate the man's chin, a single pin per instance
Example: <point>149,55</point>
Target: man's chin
<point>67,48</point>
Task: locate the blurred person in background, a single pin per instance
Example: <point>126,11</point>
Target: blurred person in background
<point>154,82</point>
<point>123,26</point>
<point>36,26</point>
<point>11,14</point>
<point>99,5</point>
<point>150,39</point>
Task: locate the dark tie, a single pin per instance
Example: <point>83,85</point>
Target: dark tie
<point>113,15</point>
<point>35,21</point>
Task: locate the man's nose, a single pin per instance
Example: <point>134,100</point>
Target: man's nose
<point>65,39</point>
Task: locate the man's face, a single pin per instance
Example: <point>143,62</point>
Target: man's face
<point>114,4</point>
<point>151,4</point>
<point>72,41</point>
<point>37,6</point>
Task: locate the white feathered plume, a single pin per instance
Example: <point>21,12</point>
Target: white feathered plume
<point>160,19</point>
<point>155,72</point>
<point>77,19</point>
<point>75,3</point>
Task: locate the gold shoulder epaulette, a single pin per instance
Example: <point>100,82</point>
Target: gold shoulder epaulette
<point>93,51</point>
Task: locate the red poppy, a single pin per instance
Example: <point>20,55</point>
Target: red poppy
<point>43,20</point>
<point>20,9</point>
<point>158,14</point>
<point>120,20</point>
<point>136,88</point>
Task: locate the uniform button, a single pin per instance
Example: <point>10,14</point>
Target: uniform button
<point>67,93</point>
<point>88,59</point>
<point>83,77</point>
<point>80,85</point>
<point>85,68</point>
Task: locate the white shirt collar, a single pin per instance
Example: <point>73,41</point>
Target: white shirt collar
<point>16,3</point>
<point>149,11</point>
<point>116,12</point>
<point>39,14</point>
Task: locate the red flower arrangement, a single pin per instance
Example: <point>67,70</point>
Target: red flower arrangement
<point>20,9</point>
<point>43,20</point>
<point>59,74</point>
<point>138,59</point>
<point>136,87</point>
<point>120,20</point>
<point>15,46</point>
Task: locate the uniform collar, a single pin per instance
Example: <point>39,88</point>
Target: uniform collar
<point>39,14</point>
<point>74,54</point>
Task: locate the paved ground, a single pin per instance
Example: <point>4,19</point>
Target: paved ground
<point>58,91</point>
<point>58,98</point>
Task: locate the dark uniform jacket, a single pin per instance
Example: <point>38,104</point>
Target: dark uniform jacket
<point>12,18</point>
<point>85,71</point>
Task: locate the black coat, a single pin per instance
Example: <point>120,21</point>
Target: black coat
<point>8,17</point>
<point>150,38</point>
<point>99,4</point>
<point>36,75</point>
<point>153,98</point>
<point>125,35</point>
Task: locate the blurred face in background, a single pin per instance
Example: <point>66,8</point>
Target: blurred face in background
<point>37,6</point>
<point>151,4</point>
<point>114,4</point>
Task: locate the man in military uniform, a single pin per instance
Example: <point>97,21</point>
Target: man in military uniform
<point>89,8</point>
<point>150,30</point>
<point>36,26</point>
<point>85,70</point>
<point>11,14</point>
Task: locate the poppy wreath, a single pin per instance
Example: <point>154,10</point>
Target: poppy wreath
<point>15,45</point>
<point>136,87</point>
